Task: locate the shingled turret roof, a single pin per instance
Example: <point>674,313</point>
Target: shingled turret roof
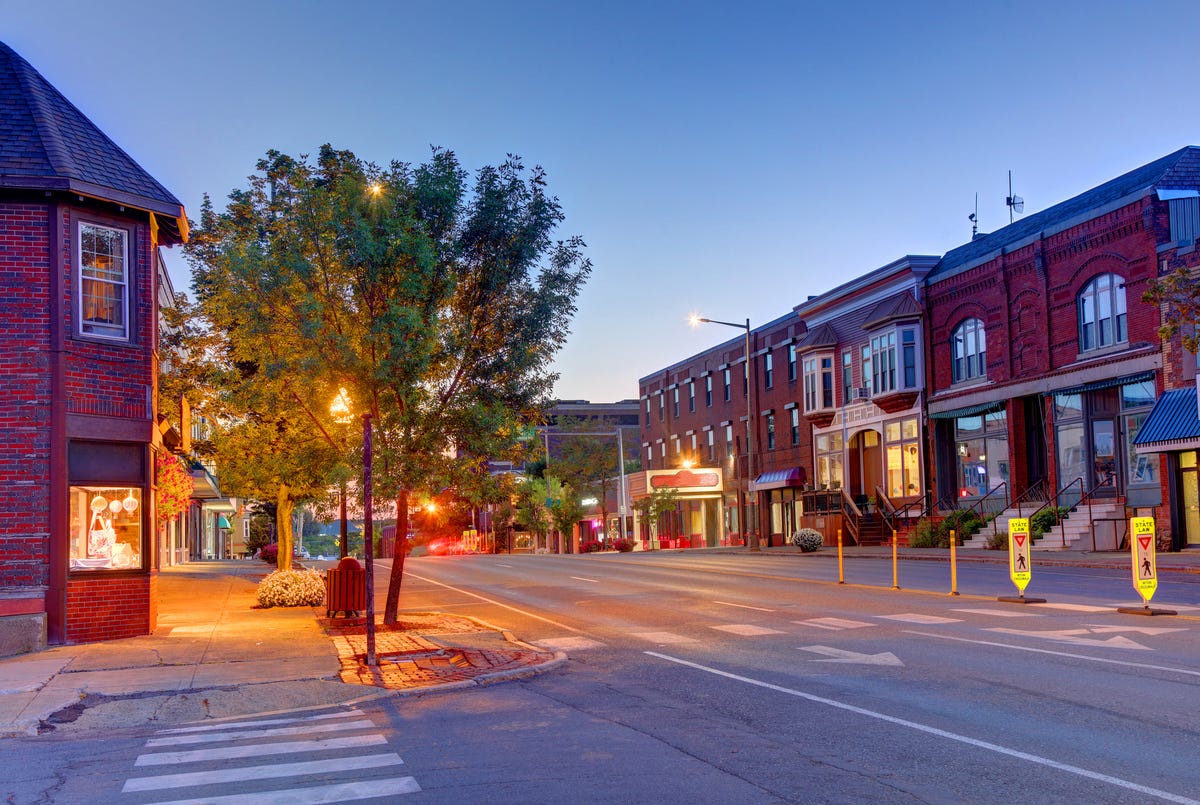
<point>48,144</point>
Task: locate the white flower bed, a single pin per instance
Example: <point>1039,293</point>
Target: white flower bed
<point>808,540</point>
<point>292,588</point>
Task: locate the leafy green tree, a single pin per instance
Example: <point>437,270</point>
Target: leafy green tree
<point>565,512</point>
<point>1178,294</point>
<point>652,507</point>
<point>436,303</point>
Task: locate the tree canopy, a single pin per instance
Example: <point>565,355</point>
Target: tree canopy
<point>429,300</point>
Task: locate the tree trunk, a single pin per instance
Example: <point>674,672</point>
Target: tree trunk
<point>283,526</point>
<point>400,551</point>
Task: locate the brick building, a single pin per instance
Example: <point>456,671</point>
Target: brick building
<point>1045,361</point>
<point>80,227</point>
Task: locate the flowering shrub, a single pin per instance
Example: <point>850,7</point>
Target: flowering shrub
<point>591,546</point>
<point>808,539</point>
<point>175,487</point>
<point>623,545</point>
<point>270,553</point>
<point>292,588</point>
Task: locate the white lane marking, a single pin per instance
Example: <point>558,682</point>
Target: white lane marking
<point>265,722</point>
<point>276,732</point>
<point>568,643</point>
<point>903,722</point>
<point>524,612</point>
<point>664,637</point>
<point>1000,613</point>
<point>1105,660</point>
<point>836,624</point>
<point>742,606</point>
<point>1072,607</point>
<point>745,629</point>
<point>501,564</point>
<point>341,792</point>
<point>581,578</point>
<point>916,617</point>
<point>1150,630</point>
<point>244,773</point>
<point>842,655</point>
<point>1073,636</point>
<point>254,750</point>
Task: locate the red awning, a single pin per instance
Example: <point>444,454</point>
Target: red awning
<point>792,477</point>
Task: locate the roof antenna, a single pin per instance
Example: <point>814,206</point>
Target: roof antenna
<point>1015,203</point>
<point>974,218</point>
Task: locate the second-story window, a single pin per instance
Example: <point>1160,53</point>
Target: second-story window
<point>968,346</point>
<point>791,362</point>
<point>103,281</point>
<point>1102,320</point>
<point>768,370</point>
<point>647,410</point>
<point>795,426</point>
<point>675,402</point>
<point>662,407</point>
<point>692,396</point>
<point>727,392</point>
<point>729,440</point>
<point>883,363</point>
<point>770,431</point>
<point>847,376</point>
<point>867,378</point>
<point>708,391</point>
<point>712,448</point>
<point>818,383</point>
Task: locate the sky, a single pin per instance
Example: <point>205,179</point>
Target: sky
<point>729,159</point>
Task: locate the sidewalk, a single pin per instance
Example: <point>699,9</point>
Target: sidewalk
<point>215,654</point>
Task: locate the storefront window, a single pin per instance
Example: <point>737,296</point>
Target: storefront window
<point>981,445</point>
<point>1072,453</point>
<point>829,461</point>
<point>106,528</point>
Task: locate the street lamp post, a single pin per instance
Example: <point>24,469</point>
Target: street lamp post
<point>368,539</point>
<point>751,431</point>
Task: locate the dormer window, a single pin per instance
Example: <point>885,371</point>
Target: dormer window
<point>968,345</point>
<point>891,362</point>
<point>1102,321</point>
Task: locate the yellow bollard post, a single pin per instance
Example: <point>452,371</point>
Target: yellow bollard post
<point>895,560</point>
<point>841,567</point>
<point>953,562</point>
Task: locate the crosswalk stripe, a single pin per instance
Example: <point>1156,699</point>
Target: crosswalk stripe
<point>340,792</point>
<point>1000,613</point>
<point>664,637</point>
<point>275,732</point>
<point>745,629</point>
<point>916,617</point>
<point>254,750</point>
<point>1071,607</point>
<point>268,721</point>
<point>260,772</point>
<point>833,623</point>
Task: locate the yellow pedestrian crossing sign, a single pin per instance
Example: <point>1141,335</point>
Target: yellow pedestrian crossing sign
<point>1018,553</point>
<point>1145,568</point>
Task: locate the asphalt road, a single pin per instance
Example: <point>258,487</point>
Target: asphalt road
<point>732,678</point>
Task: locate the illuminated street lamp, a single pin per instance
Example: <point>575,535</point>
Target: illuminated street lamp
<point>752,439</point>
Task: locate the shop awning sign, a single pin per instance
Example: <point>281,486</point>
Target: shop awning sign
<point>1145,568</point>
<point>1019,566</point>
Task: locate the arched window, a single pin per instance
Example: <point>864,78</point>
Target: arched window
<point>969,348</point>
<point>1102,313</point>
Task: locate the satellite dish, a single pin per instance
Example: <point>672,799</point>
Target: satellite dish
<point>1015,203</point>
<point>1018,204</point>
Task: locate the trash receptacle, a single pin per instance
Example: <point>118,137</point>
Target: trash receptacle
<point>346,588</point>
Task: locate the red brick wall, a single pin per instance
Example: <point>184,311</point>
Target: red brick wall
<point>107,607</point>
<point>24,396</point>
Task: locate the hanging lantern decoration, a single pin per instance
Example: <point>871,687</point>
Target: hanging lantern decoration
<point>99,504</point>
<point>114,506</point>
<point>129,504</point>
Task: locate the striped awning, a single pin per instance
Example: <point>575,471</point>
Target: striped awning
<point>1173,424</point>
<point>1107,383</point>
<point>970,410</point>
<point>780,479</point>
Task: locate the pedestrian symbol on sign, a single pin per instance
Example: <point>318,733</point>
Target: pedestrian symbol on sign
<point>1018,553</point>
<point>1145,575</point>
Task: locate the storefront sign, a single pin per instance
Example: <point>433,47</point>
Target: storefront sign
<point>686,479</point>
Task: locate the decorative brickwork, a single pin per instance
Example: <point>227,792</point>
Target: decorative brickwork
<point>107,607</point>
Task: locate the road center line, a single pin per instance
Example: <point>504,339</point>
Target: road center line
<point>991,747</point>
<point>581,578</point>
<point>524,612</point>
<point>742,606</point>
<point>1139,665</point>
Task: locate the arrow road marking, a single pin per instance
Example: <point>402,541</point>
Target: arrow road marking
<point>1150,630</point>
<point>841,655</point>
<point>1071,636</point>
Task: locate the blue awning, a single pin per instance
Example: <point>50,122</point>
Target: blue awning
<point>1106,383</point>
<point>1173,424</point>
<point>222,522</point>
<point>780,479</point>
<point>970,410</point>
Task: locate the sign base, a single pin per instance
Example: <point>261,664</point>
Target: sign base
<point>1012,599</point>
<point>1145,611</point>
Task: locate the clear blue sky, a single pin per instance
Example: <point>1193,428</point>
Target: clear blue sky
<point>729,158</point>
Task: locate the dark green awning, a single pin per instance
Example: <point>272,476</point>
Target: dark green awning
<point>970,410</point>
<point>1102,384</point>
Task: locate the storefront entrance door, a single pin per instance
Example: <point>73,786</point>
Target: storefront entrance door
<point>1105,471</point>
<point>1190,481</point>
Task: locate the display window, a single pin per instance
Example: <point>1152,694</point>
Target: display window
<point>106,528</point>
